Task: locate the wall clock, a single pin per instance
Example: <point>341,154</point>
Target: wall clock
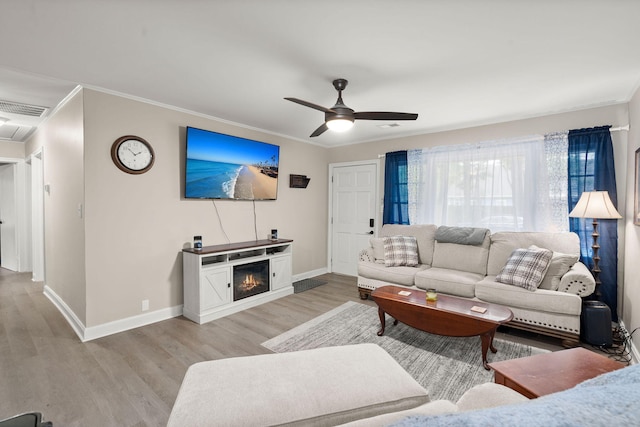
<point>132,154</point>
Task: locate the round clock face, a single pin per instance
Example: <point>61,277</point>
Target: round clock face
<point>132,154</point>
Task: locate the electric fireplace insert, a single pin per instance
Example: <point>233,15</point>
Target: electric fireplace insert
<point>250,279</point>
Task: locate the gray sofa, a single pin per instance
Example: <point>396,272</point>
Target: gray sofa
<point>361,385</point>
<point>470,270</point>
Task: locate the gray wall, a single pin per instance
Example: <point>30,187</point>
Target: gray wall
<point>63,150</point>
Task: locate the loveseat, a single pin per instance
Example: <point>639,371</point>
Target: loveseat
<point>362,385</point>
<point>470,263</point>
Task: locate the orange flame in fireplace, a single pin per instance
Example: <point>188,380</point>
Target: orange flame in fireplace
<point>249,283</point>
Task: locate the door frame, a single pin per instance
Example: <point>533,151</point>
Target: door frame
<point>23,212</point>
<point>378,204</point>
<point>38,265</point>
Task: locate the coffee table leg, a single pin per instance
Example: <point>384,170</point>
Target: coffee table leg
<point>382,321</point>
<point>493,349</point>
<point>486,343</point>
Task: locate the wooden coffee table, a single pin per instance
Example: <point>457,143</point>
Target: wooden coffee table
<point>449,316</point>
<point>547,373</point>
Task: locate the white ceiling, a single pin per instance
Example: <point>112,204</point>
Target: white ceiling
<point>457,63</point>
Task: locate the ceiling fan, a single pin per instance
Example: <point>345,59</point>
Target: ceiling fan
<point>340,117</point>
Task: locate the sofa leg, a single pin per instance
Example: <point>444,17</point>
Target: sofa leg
<point>364,293</point>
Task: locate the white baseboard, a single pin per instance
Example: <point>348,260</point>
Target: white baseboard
<point>91,333</point>
<point>635,355</point>
<point>121,325</point>
<point>131,322</point>
<point>74,321</point>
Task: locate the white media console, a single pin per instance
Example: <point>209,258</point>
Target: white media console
<point>224,279</point>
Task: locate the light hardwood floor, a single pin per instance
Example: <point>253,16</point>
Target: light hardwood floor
<point>132,378</point>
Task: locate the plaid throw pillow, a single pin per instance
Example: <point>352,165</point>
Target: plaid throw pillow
<point>526,268</point>
<point>400,250</point>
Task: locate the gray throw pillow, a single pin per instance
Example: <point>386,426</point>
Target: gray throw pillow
<point>558,267</point>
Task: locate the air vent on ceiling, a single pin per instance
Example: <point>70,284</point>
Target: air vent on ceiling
<point>388,125</point>
<point>23,109</point>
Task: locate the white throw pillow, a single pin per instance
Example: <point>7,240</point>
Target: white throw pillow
<point>377,244</point>
<point>526,268</point>
<point>400,250</point>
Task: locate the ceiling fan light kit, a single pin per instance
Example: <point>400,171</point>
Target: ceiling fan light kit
<point>339,125</point>
<point>340,118</point>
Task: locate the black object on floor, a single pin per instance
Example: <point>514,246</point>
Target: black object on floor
<point>306,284</point>
<point>595,324</point>
<point>30,419</point>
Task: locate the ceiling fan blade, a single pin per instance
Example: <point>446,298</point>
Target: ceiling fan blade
<point>310,105</point>
<point>323,127</point>
<point>384,115</point>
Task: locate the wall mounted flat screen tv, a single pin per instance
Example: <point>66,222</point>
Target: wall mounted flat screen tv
<point>220,166</point>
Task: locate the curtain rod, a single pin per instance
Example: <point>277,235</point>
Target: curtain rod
<point>616,129</point>
<point>625,127</point>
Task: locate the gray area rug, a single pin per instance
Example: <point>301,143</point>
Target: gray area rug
<point>446,366</point>
<point>306,284</point>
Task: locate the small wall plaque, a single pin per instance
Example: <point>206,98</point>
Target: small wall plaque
<point>298,181</point>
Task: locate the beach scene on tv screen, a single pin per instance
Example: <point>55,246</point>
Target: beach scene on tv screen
<point>222,166</point>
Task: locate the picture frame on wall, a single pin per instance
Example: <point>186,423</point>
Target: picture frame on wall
<point>636,194</point>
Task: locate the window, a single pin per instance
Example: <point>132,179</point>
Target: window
<point>500,185</point>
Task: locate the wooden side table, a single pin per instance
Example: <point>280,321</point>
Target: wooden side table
<point>548,373</point>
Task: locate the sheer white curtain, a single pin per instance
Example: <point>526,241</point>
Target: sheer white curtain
<point>556,147</point>
<point>500,185</point>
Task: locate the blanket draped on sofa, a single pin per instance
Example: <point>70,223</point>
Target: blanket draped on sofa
<point>607,400</point>
<point>461,235</point>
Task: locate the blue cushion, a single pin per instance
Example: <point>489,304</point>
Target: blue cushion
<point>608,400</point>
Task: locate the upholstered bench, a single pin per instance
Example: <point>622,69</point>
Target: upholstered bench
<point>325,386</point>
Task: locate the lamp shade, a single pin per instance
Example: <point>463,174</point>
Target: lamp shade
<point>340,124</point>
<point>595,204</point>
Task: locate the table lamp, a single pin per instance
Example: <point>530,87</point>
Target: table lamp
<point>595,205</point>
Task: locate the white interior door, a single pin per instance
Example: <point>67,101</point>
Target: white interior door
<point>8,227</point>
<point>354,189</point>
